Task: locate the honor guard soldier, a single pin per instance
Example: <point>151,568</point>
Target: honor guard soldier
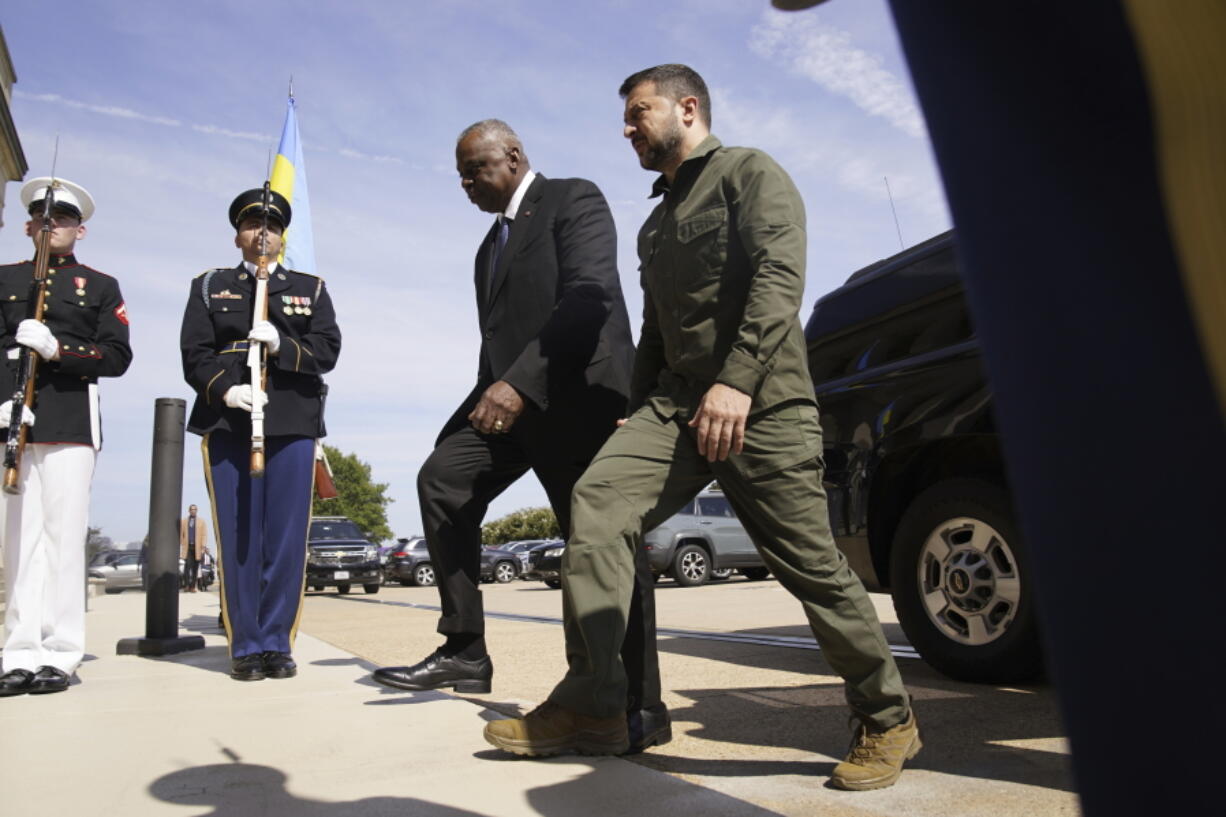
<point>80,335</point>
<point>261,518</point>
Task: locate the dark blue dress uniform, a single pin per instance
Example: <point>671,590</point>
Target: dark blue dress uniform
<point>85,312</point>
<point>261,523</point>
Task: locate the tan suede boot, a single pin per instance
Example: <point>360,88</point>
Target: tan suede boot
<point>875,759</point>
<point>552,729</point>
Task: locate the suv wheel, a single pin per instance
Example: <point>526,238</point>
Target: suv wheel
<point>423,575</point>
<point>962,583</point>
<point>504,572</point>
<point>343,588</point>
<point>719,574</point>
<point>691,566</point>
<point>755,574</point>
<point>370,589</point>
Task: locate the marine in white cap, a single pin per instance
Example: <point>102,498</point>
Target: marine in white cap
<point>83,336</point>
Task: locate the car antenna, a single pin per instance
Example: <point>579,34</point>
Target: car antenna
<point>895,212</point>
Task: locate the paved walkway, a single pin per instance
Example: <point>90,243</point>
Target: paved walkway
<point>177,736</point>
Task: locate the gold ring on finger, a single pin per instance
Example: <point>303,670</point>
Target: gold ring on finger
<point>498,425</point>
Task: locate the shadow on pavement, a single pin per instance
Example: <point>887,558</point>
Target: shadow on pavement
<point>969,730</point>
<point>247,790</point>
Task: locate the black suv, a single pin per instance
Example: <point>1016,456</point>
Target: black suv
<point>339,555</point>
<point>919,501</point>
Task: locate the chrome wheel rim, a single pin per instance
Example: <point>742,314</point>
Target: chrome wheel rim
<point>693,565</point>
<point>969,581</point>
<point>425,575</point>
<point>504,572</point>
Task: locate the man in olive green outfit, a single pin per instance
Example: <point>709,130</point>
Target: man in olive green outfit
<point>720,389</point>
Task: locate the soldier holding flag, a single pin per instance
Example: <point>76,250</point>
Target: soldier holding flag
<point>261,517</point>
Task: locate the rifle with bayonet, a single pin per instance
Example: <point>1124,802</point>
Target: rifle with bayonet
<point>257,353</point>
<point>27,359</point>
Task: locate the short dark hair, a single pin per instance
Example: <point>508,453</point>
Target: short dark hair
<point>674,81</point>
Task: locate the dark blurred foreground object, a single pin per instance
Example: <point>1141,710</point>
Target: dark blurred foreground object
<point>1081,150</point>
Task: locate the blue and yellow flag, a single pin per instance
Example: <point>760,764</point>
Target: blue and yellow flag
<point>289,179</point>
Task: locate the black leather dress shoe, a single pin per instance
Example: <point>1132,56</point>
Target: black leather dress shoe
<point>439,671</point>
<point>648,727</point>
<point>279,665</point>
<point>15,682</point>
<point>248,667</point>
<point>47,680</point>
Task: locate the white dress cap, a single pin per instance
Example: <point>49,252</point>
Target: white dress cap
<point>66,192</point>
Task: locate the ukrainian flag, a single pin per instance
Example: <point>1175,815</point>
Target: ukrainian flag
<point>289,179</point>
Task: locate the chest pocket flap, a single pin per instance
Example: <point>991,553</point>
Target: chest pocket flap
<point>701,223</point>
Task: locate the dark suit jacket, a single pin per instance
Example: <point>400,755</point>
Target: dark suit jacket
<point>553,321</point>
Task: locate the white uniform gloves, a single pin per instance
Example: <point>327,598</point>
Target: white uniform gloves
<point>241,397</point>
<point>6,414</point>
<point>266,333</point>
<point>35,335</point>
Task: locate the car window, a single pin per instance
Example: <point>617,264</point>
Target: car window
<point>715,506</point>
<point>688,510</point>
<point>332,530</point>
<point>127,559</point>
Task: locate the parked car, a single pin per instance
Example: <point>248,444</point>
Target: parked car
<point>520,548</point>
<point>120,568</point>
<point>410,564</point>
<point>703,541</point>
<point>915,474</point>
<point>499,565</point>
<point>339,555</point>
<point>545,562</point>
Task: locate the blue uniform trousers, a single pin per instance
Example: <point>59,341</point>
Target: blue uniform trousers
<point>261,536</point>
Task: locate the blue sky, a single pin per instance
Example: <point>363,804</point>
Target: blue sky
<point>166,111</point>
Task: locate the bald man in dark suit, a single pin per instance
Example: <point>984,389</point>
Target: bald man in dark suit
<point>553,379</point>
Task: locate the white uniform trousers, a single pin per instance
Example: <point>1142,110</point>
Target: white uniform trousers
<point>44,529</point>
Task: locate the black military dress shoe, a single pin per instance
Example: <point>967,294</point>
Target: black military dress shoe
<point>279,665</point>
<point>15,682</point>
<point>439,671</point>
<point>48,680</point>
<point>248,667</point>
<point>648,727</point>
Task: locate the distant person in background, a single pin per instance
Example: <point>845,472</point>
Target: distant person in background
<point>83,336</point>
<point>193,544</point>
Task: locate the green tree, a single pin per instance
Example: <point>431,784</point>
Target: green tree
<point>358,497</point>
<point>95,543</point>
<point>526,523</point>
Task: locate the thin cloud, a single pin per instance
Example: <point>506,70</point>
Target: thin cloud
<point>350,153</point>
<point>105,110</point>
<point>824,53</point>
<point>214,130</point>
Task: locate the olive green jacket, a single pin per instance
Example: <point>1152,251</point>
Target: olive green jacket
<point>722,263</point>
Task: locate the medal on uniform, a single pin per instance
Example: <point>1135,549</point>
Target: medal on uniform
<point>287,309</point>
<point>80,282</point>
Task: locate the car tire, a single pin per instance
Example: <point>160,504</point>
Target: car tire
<point>691,566</point>
<point>963,586</point>
<point>720,574</point>
<point>505,572</point>
<point>405,582</point>
<point>423,575</point>
<point>343,588</point>
<point>755,574</point>
<point>370,589</point>
<point>556,584</point>
<point>318,588</point>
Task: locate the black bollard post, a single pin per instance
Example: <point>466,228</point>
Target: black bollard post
<point>162,560</point>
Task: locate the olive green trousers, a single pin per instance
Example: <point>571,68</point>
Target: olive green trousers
<point>644,474</point>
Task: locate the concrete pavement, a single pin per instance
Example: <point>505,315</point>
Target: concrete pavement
<point>177,736</point>
<point>757,727</point>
